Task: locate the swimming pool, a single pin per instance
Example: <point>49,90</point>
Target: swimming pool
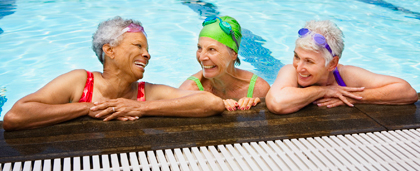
<point>42,39</point>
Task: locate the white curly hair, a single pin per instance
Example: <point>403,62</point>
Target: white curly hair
<point>108,33</point>
<point>332,34</point>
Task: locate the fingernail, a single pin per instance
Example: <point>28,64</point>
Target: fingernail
<point>93,108</point>
<point>96,103</point>
<point>97,115</point>
<point>137,117</point>
<point>254,104</point>
<point>247,107</point>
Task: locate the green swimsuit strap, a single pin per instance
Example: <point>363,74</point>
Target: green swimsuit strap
<point>197,81</point>
<point>251,86</point>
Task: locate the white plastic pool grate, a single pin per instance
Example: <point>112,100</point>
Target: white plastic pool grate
<point>386,150</point>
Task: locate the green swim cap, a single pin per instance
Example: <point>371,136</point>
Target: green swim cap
<point>215,32</point>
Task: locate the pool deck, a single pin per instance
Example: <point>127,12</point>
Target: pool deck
<point>86,136</point>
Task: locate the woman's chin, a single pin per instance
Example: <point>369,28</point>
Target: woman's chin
<point>304,83</point>
<point>209,74</point>
<point>139,75</point>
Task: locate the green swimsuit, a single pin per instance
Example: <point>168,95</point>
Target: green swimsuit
<point>250,89</point>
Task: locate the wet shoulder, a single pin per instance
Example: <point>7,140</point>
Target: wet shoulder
<point>261,87</point>
<point>190,84</point>
<point>351,74</point>
<point>78,79</point>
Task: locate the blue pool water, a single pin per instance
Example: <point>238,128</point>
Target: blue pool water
<point>42,39</point>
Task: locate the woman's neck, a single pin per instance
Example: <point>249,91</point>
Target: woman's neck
<point>116,84</point>
<point>328,80</point>
<point>230,81</point>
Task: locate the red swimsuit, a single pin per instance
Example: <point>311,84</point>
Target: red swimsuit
<point>88,91</point>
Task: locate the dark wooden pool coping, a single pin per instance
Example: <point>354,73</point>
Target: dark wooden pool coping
<point>86,136</point>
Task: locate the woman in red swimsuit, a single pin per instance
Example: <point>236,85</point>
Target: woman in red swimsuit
<point>122,48</point>
<point>316,77</point>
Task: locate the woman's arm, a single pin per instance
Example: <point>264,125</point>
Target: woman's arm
<point>50,104</point>
<point>286,97</point>
<point>163,100</point>
<point>379,89</point>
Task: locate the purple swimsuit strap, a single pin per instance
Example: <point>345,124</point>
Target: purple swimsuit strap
<point>338,78</point>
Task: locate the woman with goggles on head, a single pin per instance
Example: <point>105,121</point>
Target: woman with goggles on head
<point>217,53</point>
<point>316,77</point>
<point>122,48</point>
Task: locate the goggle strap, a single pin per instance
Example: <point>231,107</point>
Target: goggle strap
<point>329,49</point>
<point>304,31</point>
<point>234,39</point>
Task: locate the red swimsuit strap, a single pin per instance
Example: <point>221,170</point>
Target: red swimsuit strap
<point>140,94</point>
<point>88,90</point>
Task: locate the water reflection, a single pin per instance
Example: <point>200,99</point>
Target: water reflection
<point>3,98</point>
<point>7,7</point>
<point>392,7</point>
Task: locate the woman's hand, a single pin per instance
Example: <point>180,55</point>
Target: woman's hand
<point>121,118</point>
<point>230,104</point>
<point>338,95</point>
<point>120,109</point>
<point>246,103</point>
<point>331,102</point>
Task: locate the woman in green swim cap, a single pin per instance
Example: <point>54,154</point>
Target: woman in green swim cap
<point>217,53</point>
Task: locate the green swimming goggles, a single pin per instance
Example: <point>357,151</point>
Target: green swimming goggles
<point>225,26</point>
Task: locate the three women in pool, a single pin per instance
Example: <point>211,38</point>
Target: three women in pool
<point>217,53</point>
<point>316,76</point>
<point>121,45</point>
<point>122,48</point>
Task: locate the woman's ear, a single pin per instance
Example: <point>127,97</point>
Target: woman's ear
<point>333,63</point>
<point>235,55</point>
<point>108,50</point>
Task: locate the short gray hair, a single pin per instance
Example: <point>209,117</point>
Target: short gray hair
<point>332,34</point>
<point>107,34</point>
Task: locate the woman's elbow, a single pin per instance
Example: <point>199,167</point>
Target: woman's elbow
<point>217,104</point>
<point>10,121</point>
<point>13,119</point>
<point>276,107</point>
<point>214,104</point>
<point>413,97</point>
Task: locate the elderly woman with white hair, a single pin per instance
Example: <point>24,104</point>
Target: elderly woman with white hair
<point>122,48</point>
<point>316,76</point>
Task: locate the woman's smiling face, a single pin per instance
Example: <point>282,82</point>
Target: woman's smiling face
<point>213,56</point>
<point>310,67</point>
<point>133,53</point>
